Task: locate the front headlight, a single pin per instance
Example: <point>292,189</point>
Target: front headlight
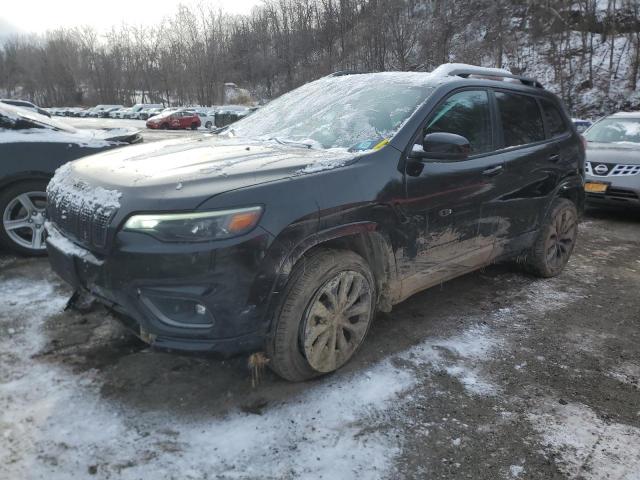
<point>196,226</point>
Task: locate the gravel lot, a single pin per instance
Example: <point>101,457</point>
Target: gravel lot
<point>495,375</point>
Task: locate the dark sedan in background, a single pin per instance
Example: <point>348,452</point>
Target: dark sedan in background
<point>613,161</point>
<point>32,147</point>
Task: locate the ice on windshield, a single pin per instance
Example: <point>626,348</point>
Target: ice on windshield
<point>615,130</point>
<point>340,111</point>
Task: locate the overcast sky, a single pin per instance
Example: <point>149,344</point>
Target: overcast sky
<point>38,16</point>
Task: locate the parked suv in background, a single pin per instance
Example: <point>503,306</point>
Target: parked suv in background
<point>289,229</point>
<point>613,161</point>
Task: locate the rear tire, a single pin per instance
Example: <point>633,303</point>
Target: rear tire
<point>194,126</point>
<point>208,125</point>
<point>22,208</point>
<point>325,314</point>
<point>555,241</point>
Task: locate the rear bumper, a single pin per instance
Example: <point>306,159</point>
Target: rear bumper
<point>178,296</point>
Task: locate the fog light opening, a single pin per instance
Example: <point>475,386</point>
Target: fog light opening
<point>178,312</point>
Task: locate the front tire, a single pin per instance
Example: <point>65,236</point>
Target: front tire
<point>325,314</point>
<point>556,240</point>
<point>22,210</point>
<point>194,126</point>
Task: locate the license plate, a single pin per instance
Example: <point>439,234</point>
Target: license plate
<point>592,187</point>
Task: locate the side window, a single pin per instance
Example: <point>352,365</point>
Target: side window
<point>553,117</point>
<point>467,114</point>
<point>17,124</point>
<point>521,119</point>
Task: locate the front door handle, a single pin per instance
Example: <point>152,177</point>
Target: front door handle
<point>491,171</point>
<point>554,158</point>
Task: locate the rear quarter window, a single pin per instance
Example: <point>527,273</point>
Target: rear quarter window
<point>555,120</point>
<point>521,119</point>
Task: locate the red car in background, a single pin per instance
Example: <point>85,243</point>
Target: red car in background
<point>179,119</point>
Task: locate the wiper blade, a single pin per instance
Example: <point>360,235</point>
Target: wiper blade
<point>291,142</point>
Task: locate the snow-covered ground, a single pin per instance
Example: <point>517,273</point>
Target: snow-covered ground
<point>492,376</point>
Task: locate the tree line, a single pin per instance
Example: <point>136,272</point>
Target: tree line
<point>587,51</point>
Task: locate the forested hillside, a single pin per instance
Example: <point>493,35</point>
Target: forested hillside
<point>588,51</point>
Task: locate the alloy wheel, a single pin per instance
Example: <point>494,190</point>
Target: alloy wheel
<point>337,321</point>
<point>23,220</point>
<point>561,238</point>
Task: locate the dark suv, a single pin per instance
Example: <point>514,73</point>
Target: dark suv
<point>287,230</point>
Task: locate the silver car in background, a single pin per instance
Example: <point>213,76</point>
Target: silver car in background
<point>613,161</point>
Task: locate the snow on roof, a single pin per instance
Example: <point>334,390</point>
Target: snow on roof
<point>627,114</point>
<point>446,68</point>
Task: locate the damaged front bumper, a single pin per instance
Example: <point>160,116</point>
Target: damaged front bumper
<point>191,297</point>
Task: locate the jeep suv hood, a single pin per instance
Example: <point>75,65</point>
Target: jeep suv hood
<point>181,174</point>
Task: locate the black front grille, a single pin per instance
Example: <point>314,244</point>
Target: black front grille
<point>622,193</point>
<point>83,220</point>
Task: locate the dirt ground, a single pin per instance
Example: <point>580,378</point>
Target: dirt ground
<point>495,375</point>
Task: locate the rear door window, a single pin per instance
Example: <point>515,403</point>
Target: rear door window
<point>521,119</point>
<point>468,114</point>
<point>554,119</point>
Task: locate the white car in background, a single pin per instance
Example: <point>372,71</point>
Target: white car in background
<point>207,116</point>
<point>151,112</point>
<point>138,108</point>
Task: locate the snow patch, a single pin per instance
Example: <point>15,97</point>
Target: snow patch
<point>55,422</point>
<point>65,184</point>
<point>516,470</point>
<point>66,246</point>
<point>587,447</point>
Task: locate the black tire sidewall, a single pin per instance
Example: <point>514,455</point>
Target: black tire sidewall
<point>6,196</point>
<point>307,277</point>
<point>538,262</point>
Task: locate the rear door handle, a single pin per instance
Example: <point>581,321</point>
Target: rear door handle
<point>491,171</point>
<point>554,158</point>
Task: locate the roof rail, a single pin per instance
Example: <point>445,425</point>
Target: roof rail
<point>344,73</point>
<point>466,71</point>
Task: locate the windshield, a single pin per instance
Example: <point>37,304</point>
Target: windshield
<point>13,115</point>
<point>615,130</point>
<point>341,111</point>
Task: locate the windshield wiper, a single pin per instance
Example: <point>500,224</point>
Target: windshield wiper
<point>291,142</point>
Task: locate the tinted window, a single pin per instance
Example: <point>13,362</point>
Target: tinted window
<point>521,119</point>
<point>467,114</point>
<point>554,119</point>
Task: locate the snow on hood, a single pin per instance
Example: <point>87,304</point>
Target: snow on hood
<point>65,184</point>
<point>199,160</point>
<point>84,138</point>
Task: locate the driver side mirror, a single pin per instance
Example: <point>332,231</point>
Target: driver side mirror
<point>442,146</point>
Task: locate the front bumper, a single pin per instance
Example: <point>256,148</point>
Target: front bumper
<point>208,297</point>
<point>622,191</point>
